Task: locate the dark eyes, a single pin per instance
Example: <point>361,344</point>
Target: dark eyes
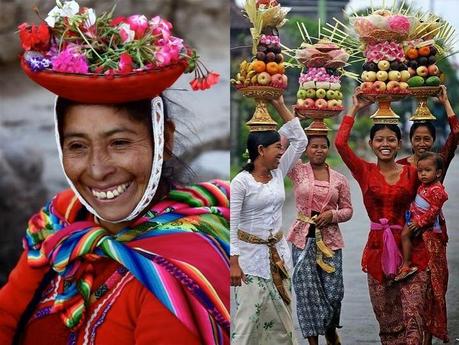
<point>120,143</point>
<point>75,146</point>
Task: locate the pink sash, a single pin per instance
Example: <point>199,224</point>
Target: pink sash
<point>391,258</point>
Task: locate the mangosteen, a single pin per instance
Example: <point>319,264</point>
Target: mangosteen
<point>372,66</point>
<point>433,50</point>
<point>402,66</point>
<point>413,64</point>
<point>260,56</point>
<point>394,65</point>
<point>432,59</point>
<point>262,48</point>
<point>423,61</point>
<point>270,57</point>
<point>279,58</point>
<point>365,66</point>
<point>277,49</point>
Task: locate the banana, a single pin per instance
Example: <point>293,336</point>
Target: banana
<point>254,79</point>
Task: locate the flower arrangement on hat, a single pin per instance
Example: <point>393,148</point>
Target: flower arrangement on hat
<point>73,39</point>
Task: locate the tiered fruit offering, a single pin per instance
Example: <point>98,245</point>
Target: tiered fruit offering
<point>259,73</point>
<point>320,80</point>
<point>320,89</point>
<point>385,70</point>
<point>421,66</point>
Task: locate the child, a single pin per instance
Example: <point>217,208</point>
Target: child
<point>425,209</point>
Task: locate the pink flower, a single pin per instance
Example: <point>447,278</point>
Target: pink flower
<point>126,34</point>
<point>70,60</point>
<point>213,78</point>
<point>125,64</point>
<point>399,24</point>
<point>163,56</point>
<point>138,23</point>
<point>160,27</point>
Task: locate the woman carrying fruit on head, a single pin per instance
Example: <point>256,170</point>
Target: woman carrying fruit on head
<point>123,256</point>
<point>260,261</point>
<point>388,189</point>
<point>323,200</point>
<point>422,138</point>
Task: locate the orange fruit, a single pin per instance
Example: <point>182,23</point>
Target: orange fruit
<point>272,68</point>
<point>412,53</point>
<point>424,51</point>
<point>281,68</point>
<point>259,66</point>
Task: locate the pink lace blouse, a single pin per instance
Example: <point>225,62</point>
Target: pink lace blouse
<point>311,194</point>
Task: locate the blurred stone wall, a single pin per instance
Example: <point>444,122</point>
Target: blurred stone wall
<point>199,21</point>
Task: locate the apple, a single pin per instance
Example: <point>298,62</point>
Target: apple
<point>405,75</point>
<point>264,78</point>
<point>310,93</point>
<point>382,75</point>
<point>433,70</point>
<point>403,85</point>
<point>412,71</point>
<point>338,95</point>
<point>277,80</point>
<point>309,103</point>
<point>321,103</point>
<point>383,65</point>
<point>379,86</point>
<point>300,102</point>
<point>422,71</point>
<point>301,94</point>
<point>393,85</point>
<point>284,80</point>
<point>331,94</point>
<point>371,76</point>
<point>364,76</point>
<point>340,102</point>
<point>333,103</point>
<point>321,93</point>
<point>367,86</point>
<point>394,75</point>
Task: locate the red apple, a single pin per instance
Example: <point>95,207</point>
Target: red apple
<point>393,85</point>
<point>422,71</point>
<point>321,103</point>
<point>367,86</point>
<point>379,86</point>
<point>285,80</point>
<point>433,70</point>
<point>277,80</point>
<point>309,103</point>
<point>412,72</point>
<point>403,85</point>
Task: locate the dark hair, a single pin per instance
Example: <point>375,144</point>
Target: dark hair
<point>254,140</point>
<point>310,137</point>
<point>437,159</point>
<point>427,124</point>
<point>392,127</point>
<point>175,170</point>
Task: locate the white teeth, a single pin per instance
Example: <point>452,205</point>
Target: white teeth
<point>111,194</point>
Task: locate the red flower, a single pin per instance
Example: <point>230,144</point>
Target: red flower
<point>204,83</point>
<point>34,37</point>
<point>118,20</point>
<point>213,78</point>
<point>125,65</point>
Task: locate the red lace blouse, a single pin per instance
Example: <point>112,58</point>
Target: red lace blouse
<point>381,200</point>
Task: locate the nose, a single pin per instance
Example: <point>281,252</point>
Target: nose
<point>100,165</point>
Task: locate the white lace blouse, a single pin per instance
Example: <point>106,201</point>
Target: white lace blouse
<point>256,207</point>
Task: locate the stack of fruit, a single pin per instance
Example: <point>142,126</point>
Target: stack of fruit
<point>421,65</point>
<point>385,70</point>
<point>320,80</point>
<point>266,69</point>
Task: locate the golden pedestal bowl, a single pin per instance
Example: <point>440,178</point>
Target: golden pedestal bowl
<point>385,114</point>
<point>421,93</point>
<point>261,121</point>
<point>317,126</point>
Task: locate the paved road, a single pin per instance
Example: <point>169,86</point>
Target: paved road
<point>357,318</point>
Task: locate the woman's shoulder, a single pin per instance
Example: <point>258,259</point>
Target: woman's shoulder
<point>242,177</point>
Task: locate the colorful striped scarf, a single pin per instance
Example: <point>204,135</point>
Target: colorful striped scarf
<point>198,212</point>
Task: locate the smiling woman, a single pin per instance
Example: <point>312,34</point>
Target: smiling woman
<point>124,253</point>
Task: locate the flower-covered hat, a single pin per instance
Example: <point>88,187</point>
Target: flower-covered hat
<point>100,59</point>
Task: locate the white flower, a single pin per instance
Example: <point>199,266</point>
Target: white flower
<point>91,18</point>
<point>53,16</point>
<point>70,8</point>
<point>127,35</point>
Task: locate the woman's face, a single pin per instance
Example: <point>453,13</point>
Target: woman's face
<point>422,140</point>
<point>271,155</point>
<point>108,157</point>
<point>317,150</point>
<point>385,144</point>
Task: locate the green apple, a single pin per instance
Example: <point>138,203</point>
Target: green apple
<point>310,93</point>
<point>331,94</point>
<point>321,93</point>
<point>301,94</point>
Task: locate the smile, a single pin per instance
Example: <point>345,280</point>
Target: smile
<point>112,193</point>
<point>386,151</point>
